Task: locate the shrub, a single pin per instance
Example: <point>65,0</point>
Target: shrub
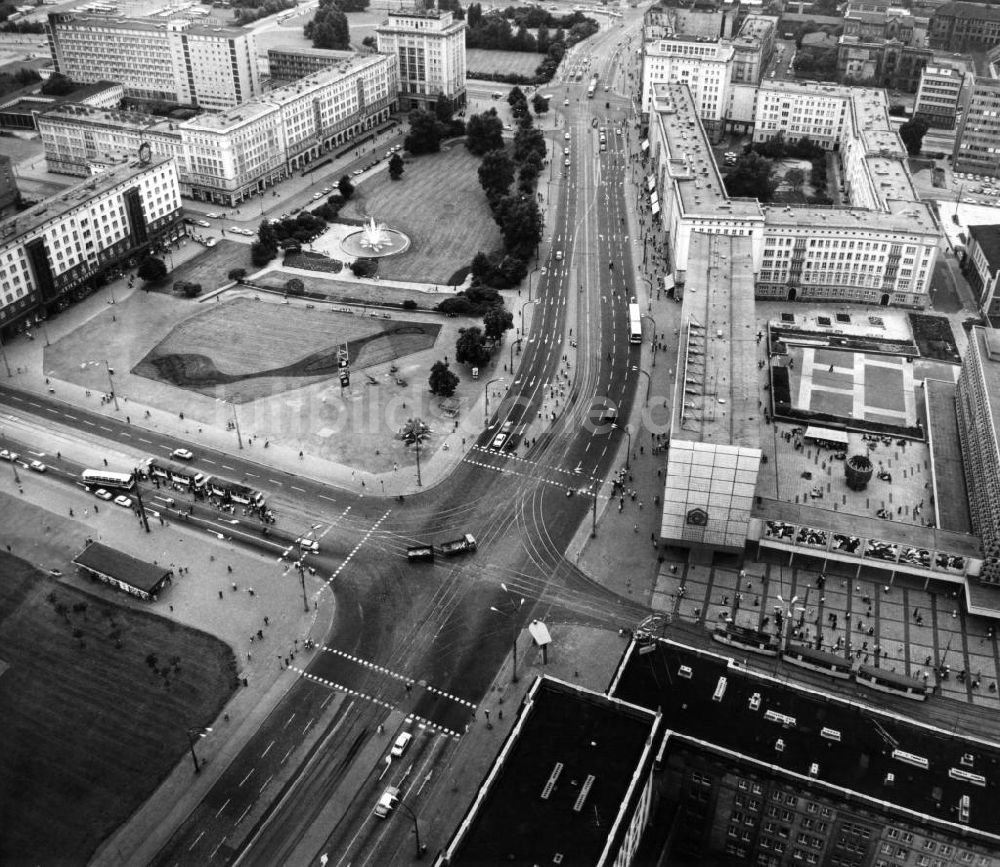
<point>409,304</point>
<point>237,274</point>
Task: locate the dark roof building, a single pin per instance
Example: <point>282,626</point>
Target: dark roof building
<point>961,26</point>
<point>572,784</point>
<point>123,571</point>
<point>982,267</point>
<point>9,192</point>
<point>774,773</point>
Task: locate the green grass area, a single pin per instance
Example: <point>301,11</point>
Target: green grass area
<point>438,202</point>
<point>88,728</point>
<point>503,62</point>
<point>366,292</point>
<point>212,266</point>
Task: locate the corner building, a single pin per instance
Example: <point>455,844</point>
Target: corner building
<point>51,253</point>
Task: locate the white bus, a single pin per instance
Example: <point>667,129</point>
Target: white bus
<point>634,324</point>
<point>107,479</point>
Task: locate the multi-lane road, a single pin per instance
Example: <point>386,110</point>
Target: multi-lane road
<point>422,640</point>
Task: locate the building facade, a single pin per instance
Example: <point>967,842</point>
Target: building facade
<point>978,422</point>
<point>174,60</point>
<point>939,96</point>
<point>880,63</point>
<point>9,192</point>
<point>705,66</point>
<point>705,18</point>
<point>977,144</point>
<point>289,64</point>
<point>54,252</point>
<point>229,156</point>
<point>982,268</point>
<point>961,26</point>
<point>430,50</point>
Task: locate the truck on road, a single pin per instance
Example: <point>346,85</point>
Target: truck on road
<point>458,546</point>
<point>418,553</point>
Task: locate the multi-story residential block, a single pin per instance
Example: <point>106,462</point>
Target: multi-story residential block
<point>756,769</point>
<point>982,268</point>
<point>229,156</point>
<point>753,47</point>
<point>9,192</point>
<point>939,95</point>
<point>977,143</point>
<point>21,112</point>
<point>430,48</point>
<point>289,64</point>
<point>175,60</point>
<point>978,409</point>
<point>51,253</point>
<point>961,26</point>
<point>705,66</point>
<point>880,250</point>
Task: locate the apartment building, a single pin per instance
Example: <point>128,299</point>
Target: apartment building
<point>175,60</point>
<point>430,50</point>
<point>978,426</point>
<point>289,64</point>
<point>51,253</point>
<point>961,26</point>
<point>232,155</point>
<point>977,144</point>
<point>879,250</point>
<point>939,95</point>
<point>705,66</point>
<point>981,267</point>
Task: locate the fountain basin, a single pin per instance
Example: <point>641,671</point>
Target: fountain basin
<point>374,241</point>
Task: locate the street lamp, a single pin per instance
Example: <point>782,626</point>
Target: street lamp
<point>193,735</point>
<point>628,433</point>
<point>518,342</point>
<point>649,379</point>
<point>532,274</point>
<point>236,421</point>
<point>486,420</point>
<point>512,617</point>
<point>421,850</point>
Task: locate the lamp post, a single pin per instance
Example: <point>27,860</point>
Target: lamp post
<point>521,311</point>
<point>518,342</point>
<point>628,452</point>
<point>515,605</point>
<point>649,379</point>
<point>486,420</point>
<point>530,276</point>
<point>236,420</point>
<point>193,735</point>
<point>6,363</point>
<point>421,850</point>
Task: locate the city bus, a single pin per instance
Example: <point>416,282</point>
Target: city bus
<point>634,324</point>
<point>592,88</point>
<point>108,479</point>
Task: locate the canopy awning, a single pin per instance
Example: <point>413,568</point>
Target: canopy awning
<point>826,434</point>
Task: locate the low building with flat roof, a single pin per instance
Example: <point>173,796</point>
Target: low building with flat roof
<point>572,784</point>
<point>123,571</point>
<point>771,772</point>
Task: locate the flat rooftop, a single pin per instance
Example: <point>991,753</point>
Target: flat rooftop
<point>718,400</point>
<point>858,762</point>
<point>988,343</point>
<point>116,117</point>
<point>902,216</point>
<point>573,755</point>
<point>946,454</point>
<point>691,166</point>
<point>69,199</point>
<point>151,24</point>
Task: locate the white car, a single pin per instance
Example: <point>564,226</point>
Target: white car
<point>236,230</point>
<point>567,136</point>
<point>402,744</point>
<point>566,163</point>
<point>565,102</point>
<point>204,224</point>
<point>358,172</point>
<point>122,500</point>
<point>327,190</point>
<point>211,242</point>
<point>566,152</point>
<point>37,466</point>
<point>317,196</point>
<point>102,494</point>
<point>213,216</point>
<point>559,255</point>
<point>181,454</point>
<point>308,545</point>
<point>8,456</point>
<point>388,800</point>
<point>501,437</point>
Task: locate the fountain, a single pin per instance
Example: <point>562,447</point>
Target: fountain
<point>374,240</point>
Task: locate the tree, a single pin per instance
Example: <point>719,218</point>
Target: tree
<point>912,133</point>
<point>329,27</point>
<point>151,269</point>
<point>496,174</point>
<point>295,286</point>
<point>484,133</point>
<point>370,42</point>
<point>515,96</point>
<point>345,187</point>
<point>442,381</point>
<point>425,133</point>
<point>271,234</point>
<point>414,433</point>
<point>496,321</point>
<point>58,85</point>
<point>444,109</point>
<point>795,178</point>
<point>539,103</point>
<point>237,274</point>
<point>470,348</point>
<point>752,176</point>
<point>187,289</point>
<point>520,222</point>
<point>261,253</point>
<point>395,167</point>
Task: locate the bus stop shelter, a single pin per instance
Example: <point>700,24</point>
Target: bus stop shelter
<point>123,571</point>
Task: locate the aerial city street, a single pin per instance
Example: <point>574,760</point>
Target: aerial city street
<point>486,435</point>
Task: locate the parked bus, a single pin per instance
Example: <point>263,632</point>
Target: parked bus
<point>634,324</point>
<point>108,479</point>
<point>818,660</point>
<point>888,681</point>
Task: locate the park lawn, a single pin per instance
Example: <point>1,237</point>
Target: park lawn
<point>367,292</point>
<point>212,266</point>
<point>438,202</point>
<point>89,731</point>
<point>488,60</point>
